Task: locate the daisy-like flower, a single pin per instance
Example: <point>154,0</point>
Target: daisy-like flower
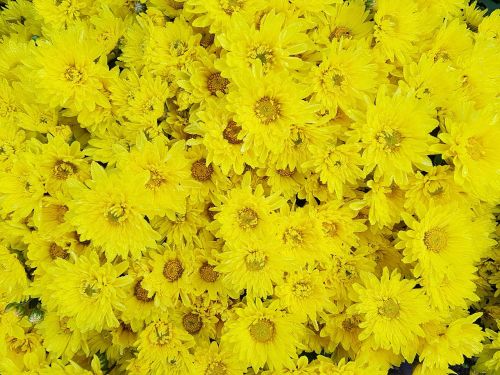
<point>253,266</point>
<point>272,45</point>
<point>167,186</point>
<point>303,294</point>
<point>163,348</point>
<point>442,236</point>
<point>471,141</point>
<point>109,211</point>
<point>448,342</point>
<point>343,329</point>
<point>262,335</point>
<point>266,106</point>
<point>246,212</point>
<point>393,312</point>
<point>395,135</point>
<point>67,73</point>
<point>169,277</point>
<point>214,359</point>
<point>345,77</point>
<point>397,28</point>
<point>61,161</point>
<point>337,165</point>
<point>90,293</point>
<point>15,281</point>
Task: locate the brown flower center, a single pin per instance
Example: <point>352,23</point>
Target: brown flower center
<point>208,273</point>
<point>73,74</point>
<point>247,218</point>
<point>217,83</point>
<point>293,236</point>
<point>200,171</point>
<point>285,172</point>
<point>192,323</point>
<point>340,31</point>
<point>230,133</point>
<point>140,293</point>
<point>63,169</point>
<point>56,251</point>
<point>173,270</point>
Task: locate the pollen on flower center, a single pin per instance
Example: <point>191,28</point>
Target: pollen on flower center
<point>231,6</point>
<point>173,270</point>
<point>267,110</point>
<point>56,251</point>
<point>293,235</point>
<point>247,218</point>
<point>389,308</point>
<point>302,289</point>
<point>256,260</point>
<point>117,214</point>
<point>64,169</point>
<point>200,171</point>
<point>351,323</point>
<point>390,140</point>
<point>162,333</point>
<point>337,79</point>
<point>156,179</point>
<point>230,133</point>
<point>263,330</point>
<point>435,239</point>
<point>140,293</point>
<point>208,273</point>
<point>73,74</point>
<point>216,368</point>
<point>215,83</point>
<point>285,172</point>
<point>340,31</point>
<point>192,323</point>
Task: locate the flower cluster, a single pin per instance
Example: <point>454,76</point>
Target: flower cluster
<point>226,187</point>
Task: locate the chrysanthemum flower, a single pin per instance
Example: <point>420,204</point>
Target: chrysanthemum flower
<point>215,359</point>
<point>393,312</point>
<point>262,335</point>
<point>14,279</point>
<point>90,293</point>
<point>109,211</point>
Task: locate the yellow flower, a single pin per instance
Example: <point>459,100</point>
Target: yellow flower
<point>393,312</point>
<point>265,106</point>
<point>109,211</point>
<point>90,293</point>
<point>14,280</point>
<point>215,359</point>
<point>66,71</point>
<point>262,335</point>
<point>395,136</point>
<point>254,266</point>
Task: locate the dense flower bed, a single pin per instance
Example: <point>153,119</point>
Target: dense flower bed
<point>248,186</point>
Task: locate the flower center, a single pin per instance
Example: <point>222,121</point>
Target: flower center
<point>337,79</point>
<point>263,330</point>
<point>156,179</point>
<point>56,251</point>
<point>302,289</point>
<point>230,133</point>
<point>173,270</point>
<point>216,368</point>
<point>389,308</point>
<point>339,32</point>
<point>73,74</point>
<point>293,235</point>
<point>330,228</point>
<point>391,140</point>
<point>208,273</point>
<point>140,293</point>
<point>63,169</point>
<point>215,83</point>
<point>91,289</point>
<point>59,212</point>
<point>262,53</point>
<point>161,334</point>
<point>388,22</point>
<point>435,239</point>
<point>434,188</point>
<point>117,213</point>
<point>231,6</point>
<point>285,172</point>
<point>255,260</point>
<point>267,110</point>
<point>178,47</point>
<point>351,323</point>
<point>200,171</point>
<point>192,323</point>
<point>247,218</point>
